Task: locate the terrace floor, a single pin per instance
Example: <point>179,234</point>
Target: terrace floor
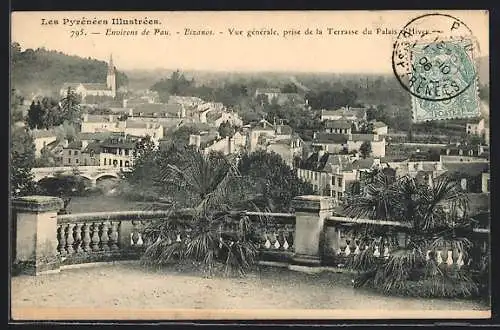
<point>129,291</point>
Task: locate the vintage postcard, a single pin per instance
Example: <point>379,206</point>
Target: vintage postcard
<point>250,165</point>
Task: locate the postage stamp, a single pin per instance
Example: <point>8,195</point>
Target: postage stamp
<point>434,60</point>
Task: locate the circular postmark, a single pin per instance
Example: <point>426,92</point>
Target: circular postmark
<point>434,57</point>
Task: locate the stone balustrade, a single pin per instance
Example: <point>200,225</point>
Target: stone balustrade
<point>312,236</point>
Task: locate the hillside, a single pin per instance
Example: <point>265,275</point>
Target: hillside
<point>44,71</point>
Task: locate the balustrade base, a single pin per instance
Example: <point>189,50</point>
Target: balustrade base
<point>306,260</point>
<point>37,267</point>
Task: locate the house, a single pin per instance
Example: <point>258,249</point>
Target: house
<point>92,90</point>
<point>464,153</point>
<point>377,143</point>
<point>424,171</point>
<point>344,143</point>
<point>288,148</point>
<point>475,127</point>
<point>42,138</point>
<point>227,145</point>
<point>333,143</point>
<point>137,128</point>
<point>340,126</point>
<point>380,128</point>
<point>270,93</point>
<point>215,119</point>
<point>101,123</point>
<point>71,153</point>
<point>258,132</point>
<point>157,110</point>
<point>347,113</point>
<point>470,174</point>
<point>118,151</point>
<point>328,173</point>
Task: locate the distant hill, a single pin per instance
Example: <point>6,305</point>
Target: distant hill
<point>43,72</point>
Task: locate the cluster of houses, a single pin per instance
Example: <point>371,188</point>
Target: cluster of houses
<point>331,162</point>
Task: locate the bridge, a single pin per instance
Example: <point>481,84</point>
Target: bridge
<point>92,173</point>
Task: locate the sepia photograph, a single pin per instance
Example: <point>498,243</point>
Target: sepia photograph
<point>253,165</point>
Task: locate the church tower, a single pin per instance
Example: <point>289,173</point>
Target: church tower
<point>111,78</point>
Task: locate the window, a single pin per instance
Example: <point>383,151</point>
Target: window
<point>76,152</point>
<point>126,152</point>
<point>315,175</point>
<point>340,195</point>
<point>339,182</point>
<point>121,163</point>
<point>69,160</point>
<point>76,160</point>
<point>333,181</point>
<point>104,161</point>
<point>69,152</point>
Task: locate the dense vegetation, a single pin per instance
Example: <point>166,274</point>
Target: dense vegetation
<point>437,219</point>
<point>44,71</point>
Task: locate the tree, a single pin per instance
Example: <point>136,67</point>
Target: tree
<point>213,186</point>
<point>64,187</point>
<point>277,183</point>
<point>144,145</point>
<point>290,88</point>
<point>435,217</point>
<point>70,106</point>
<point>22,160</point>
<point>226,129</point>
<point>365,149</point>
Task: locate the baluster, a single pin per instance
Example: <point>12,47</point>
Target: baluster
<point>86,237</point>
<point>140,241</point>
<point>439,259</point>
<point>376,254</point>
<point>78,238</point>
<point>134,235</point>
<point>449,260</point>
<point>105,236</point>
<point>268,243</point>
<point>70,239</point>
<point>347,250</point>
<point>285,241</point>
<point>460,260</point>
<point>113,237</point>
<point>386,249</point>
<point>62,240</point>
<point>178,239</point>
<point>95,236</point>
<point>356,250</point>
<point>276,242</point>
<point>169,239</point>
<point>428,255</point>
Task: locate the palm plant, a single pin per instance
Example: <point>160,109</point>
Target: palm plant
<point>432,218</point>
<point>209,235</point>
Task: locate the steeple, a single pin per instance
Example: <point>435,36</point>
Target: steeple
<point>111,67</point>
<point>111,77</point>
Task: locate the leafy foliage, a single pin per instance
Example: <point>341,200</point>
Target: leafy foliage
<point>212,185</point>
<point>22,160</point>
<point>365,149</point>
<point>277,183</point>
<point>436,218</point>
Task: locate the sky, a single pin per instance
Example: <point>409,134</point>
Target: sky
<point>224,52</point>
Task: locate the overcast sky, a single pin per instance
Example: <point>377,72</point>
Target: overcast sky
<point>324,53</point>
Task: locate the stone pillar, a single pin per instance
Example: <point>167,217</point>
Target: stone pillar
<point>36,234</point>
<point>310,213</point>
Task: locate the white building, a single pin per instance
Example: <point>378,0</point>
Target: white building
<point>94,89</point>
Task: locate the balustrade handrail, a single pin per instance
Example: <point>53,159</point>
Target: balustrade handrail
<point>157,214</point>
<point>331,219</point>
